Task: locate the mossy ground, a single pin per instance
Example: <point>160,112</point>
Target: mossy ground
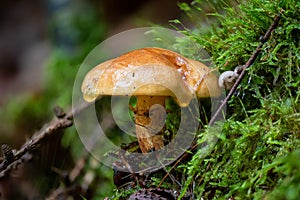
<point>257,154</point>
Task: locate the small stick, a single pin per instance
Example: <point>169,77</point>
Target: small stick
<point>48,129</point>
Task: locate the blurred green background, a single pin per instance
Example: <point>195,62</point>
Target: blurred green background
<point>43,43</point>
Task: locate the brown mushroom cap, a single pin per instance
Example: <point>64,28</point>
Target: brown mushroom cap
<point>153,72</point>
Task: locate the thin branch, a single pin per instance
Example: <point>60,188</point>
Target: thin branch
<point>62,122</point>
<point>242,73</point>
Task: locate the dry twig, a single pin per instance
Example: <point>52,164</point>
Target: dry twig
<point>62,122</point>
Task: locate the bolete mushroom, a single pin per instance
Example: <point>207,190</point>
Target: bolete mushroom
<point>167,70</point>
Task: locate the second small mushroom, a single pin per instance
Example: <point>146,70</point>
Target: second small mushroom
<point>151,75</point>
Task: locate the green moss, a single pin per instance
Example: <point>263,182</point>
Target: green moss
<point>289,187</point>
<point>257,154</point>
<point>263,119</point>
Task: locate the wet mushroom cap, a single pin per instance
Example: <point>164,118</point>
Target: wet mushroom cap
<point>152,75</point>
<point>151,71</point>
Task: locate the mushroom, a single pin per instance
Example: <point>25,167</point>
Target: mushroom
<point>151,75</point>
<point>228,78</point>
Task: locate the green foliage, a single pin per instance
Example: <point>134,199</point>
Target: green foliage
<point>251,156</point>
<point>245,160</point>
<point>289,187</point>
<point>257,152</point>
<point>122,193</point>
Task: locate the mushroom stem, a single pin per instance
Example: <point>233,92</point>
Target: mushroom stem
<point>149,119</point>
